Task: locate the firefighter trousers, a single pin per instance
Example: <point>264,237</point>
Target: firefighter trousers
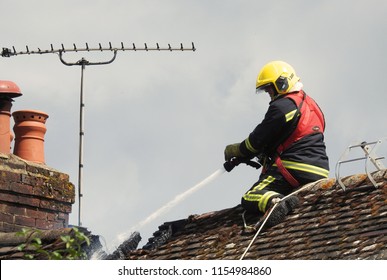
<point>270,185</point>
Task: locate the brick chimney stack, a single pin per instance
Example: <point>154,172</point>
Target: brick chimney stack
<point>32,195</point>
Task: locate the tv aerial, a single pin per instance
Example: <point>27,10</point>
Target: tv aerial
<point>10,52</point>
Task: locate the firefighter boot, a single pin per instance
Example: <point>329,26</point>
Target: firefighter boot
<point>282,209</point>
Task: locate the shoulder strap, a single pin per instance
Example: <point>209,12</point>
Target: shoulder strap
<point>293,125</point>
<point>272,153</point>
<point>288,177</point>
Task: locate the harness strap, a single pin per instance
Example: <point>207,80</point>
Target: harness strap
<point>288,177</point>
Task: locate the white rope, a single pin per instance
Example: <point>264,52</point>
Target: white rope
<point>271,211</point>
<point>258,232</point>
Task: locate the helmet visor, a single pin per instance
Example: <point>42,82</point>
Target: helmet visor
<point>263,89</point>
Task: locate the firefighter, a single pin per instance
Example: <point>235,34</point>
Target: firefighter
<point>289,143</point>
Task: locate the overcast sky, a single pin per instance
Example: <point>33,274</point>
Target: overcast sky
<point>157,123</point>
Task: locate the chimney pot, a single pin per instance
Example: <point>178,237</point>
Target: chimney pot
<point>29,131</point>
<point>8,90</point>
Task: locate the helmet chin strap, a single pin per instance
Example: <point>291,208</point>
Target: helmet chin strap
<point>274,94</point>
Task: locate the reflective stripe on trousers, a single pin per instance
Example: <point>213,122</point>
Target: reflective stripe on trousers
<point>259,195</point>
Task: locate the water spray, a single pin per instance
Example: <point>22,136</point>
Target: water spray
<point>227,167</point>
<point>176,200</point>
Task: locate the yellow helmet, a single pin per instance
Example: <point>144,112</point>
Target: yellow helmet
<point>277,73</point>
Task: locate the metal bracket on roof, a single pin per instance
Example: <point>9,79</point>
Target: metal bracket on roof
<point>369,149</point>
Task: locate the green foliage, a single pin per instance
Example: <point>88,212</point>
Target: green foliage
<point>34,247</point>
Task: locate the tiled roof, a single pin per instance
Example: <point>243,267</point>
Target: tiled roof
<point>329,224</point>
<point>119,254</point>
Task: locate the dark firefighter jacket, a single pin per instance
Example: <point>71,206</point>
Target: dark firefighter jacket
<point>305,158</point>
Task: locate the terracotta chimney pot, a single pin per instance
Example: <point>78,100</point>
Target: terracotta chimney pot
<point>29,131</point>
<point>8,90</point>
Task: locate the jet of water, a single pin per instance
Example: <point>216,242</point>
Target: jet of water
<point>178,198</point>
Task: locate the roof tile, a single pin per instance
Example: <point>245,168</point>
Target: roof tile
<point>329,224</point>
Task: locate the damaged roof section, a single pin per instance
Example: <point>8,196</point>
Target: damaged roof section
<point>329,224</point>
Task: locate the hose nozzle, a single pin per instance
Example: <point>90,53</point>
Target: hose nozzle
<point>229,165</point>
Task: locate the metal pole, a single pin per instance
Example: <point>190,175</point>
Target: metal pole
<point>83,62</point>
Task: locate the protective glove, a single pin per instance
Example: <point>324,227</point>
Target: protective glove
<point>232,151</point>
